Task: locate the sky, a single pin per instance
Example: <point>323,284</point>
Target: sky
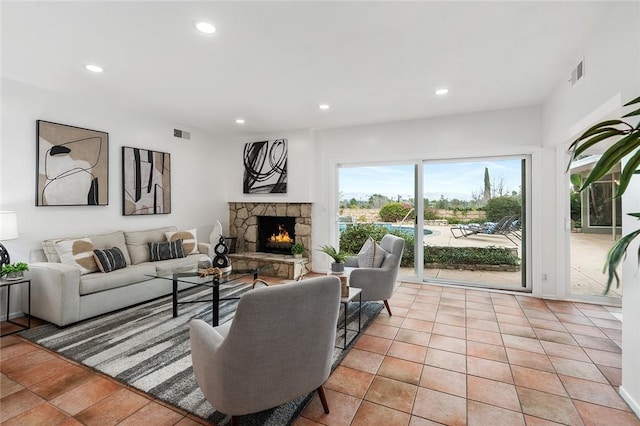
<point>448,179</point>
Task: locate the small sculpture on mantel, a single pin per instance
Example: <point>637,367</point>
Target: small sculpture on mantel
<point>220,249</point>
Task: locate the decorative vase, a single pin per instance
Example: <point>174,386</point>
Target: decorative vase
<point>337,267</point>
<point>297,256</point>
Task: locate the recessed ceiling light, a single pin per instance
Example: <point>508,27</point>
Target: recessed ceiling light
<point>205,27</point>
<point>240,121</point>
<point>324,106</point>
<point>442,91</point>
<point>93,68</point>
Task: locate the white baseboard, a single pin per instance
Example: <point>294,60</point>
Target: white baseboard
<point>630,401</point>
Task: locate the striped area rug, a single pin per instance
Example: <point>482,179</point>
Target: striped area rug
<point>145,347</point>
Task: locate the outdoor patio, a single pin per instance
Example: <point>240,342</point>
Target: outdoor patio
<point>588,252</point>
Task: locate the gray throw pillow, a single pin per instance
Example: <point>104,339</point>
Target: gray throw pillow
<point>166,250</point>
<point>109,260</point>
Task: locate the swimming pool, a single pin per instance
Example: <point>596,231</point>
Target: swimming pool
<point>391,227</point>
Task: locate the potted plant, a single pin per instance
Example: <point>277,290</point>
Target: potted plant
<point>14,271</point>
<point>338,257</point>
<point>297,250</point>
<point>628,144</point>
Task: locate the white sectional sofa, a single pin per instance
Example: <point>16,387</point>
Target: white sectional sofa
<point>61,295</point>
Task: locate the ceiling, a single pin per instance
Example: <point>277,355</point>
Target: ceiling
<point>273,63</point>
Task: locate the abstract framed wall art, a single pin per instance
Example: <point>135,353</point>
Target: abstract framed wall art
<point>72,165</point>
<point>265,167</point>
<point>146,178</point>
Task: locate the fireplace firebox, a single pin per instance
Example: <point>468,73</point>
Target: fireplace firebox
<point>276,234</point>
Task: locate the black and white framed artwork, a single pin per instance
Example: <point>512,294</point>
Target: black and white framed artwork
<point>265,167</point>
<point>72,165</point>
<point>146,177</point>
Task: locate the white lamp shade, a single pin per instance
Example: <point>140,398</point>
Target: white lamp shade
<point>8,225</point>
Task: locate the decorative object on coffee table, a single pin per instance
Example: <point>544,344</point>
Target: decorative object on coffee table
<point>72,166</point>
<point>214,237</point>
<point>220,260</point>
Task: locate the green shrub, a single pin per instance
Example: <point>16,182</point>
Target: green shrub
<point>500,207</point>
<point>394,212</point>
<point>470,255</point>
<point>353,238</point>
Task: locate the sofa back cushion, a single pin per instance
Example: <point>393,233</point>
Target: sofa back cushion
<point>100,241</point>
<point>138,242</point>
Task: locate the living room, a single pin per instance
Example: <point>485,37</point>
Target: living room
<point>40,82</point>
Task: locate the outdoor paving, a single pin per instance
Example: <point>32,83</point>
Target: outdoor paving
<point>588,252</point>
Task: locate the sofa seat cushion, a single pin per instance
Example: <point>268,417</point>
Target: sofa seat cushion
<point>164,267</point>
<point>100,281</point>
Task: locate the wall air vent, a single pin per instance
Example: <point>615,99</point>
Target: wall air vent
<point>182,134</point>
<point>577,73</point>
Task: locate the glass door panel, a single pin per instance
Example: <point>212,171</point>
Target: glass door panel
<point>595,225</point>
<point>474,216</point>
<point>374,200</point>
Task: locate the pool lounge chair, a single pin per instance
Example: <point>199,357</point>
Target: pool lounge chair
<point>507,226</point>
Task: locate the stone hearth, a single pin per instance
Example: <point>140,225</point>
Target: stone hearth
<point>243,225</point>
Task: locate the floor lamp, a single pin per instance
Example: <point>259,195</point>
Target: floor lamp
<point>8,231</point>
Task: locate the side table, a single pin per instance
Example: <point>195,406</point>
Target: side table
<point>353,293</point>
<point>8,284</point>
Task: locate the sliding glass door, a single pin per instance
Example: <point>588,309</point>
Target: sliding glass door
<point>468,225</point>
<point>475,217</point>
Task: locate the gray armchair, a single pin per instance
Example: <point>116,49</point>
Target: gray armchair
<point>377,283</point>
<point>278,347</point>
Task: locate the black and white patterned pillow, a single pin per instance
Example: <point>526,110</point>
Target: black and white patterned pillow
<point>109,260</point>
<point>166,250</point>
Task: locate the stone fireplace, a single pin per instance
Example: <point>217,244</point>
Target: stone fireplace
<point>259,229</point>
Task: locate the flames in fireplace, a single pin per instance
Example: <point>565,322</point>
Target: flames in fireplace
<point>276,234</point>
<point>281,240</point>
<point>282,237</point>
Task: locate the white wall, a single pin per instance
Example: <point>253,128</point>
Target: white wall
<point>198,173</point>
<point>491,133</point>
<point>612,72</point>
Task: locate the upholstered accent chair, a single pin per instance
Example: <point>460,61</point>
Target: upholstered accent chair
<point>278,347</point>
<point>378,283</point>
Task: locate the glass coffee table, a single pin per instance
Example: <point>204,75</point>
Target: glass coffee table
<point>192,277</point>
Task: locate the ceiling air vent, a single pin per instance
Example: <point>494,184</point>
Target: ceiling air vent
<point>182,134</point>
<point>577,73</point>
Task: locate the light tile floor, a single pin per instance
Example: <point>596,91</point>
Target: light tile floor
<point>447,356</point>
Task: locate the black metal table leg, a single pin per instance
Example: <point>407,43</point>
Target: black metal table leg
<point>216,302</point>
<point>360,314</point>
<point>175,296</point>
<point>29,320</point>
<point>346,308</point>
<point>8,299</point>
